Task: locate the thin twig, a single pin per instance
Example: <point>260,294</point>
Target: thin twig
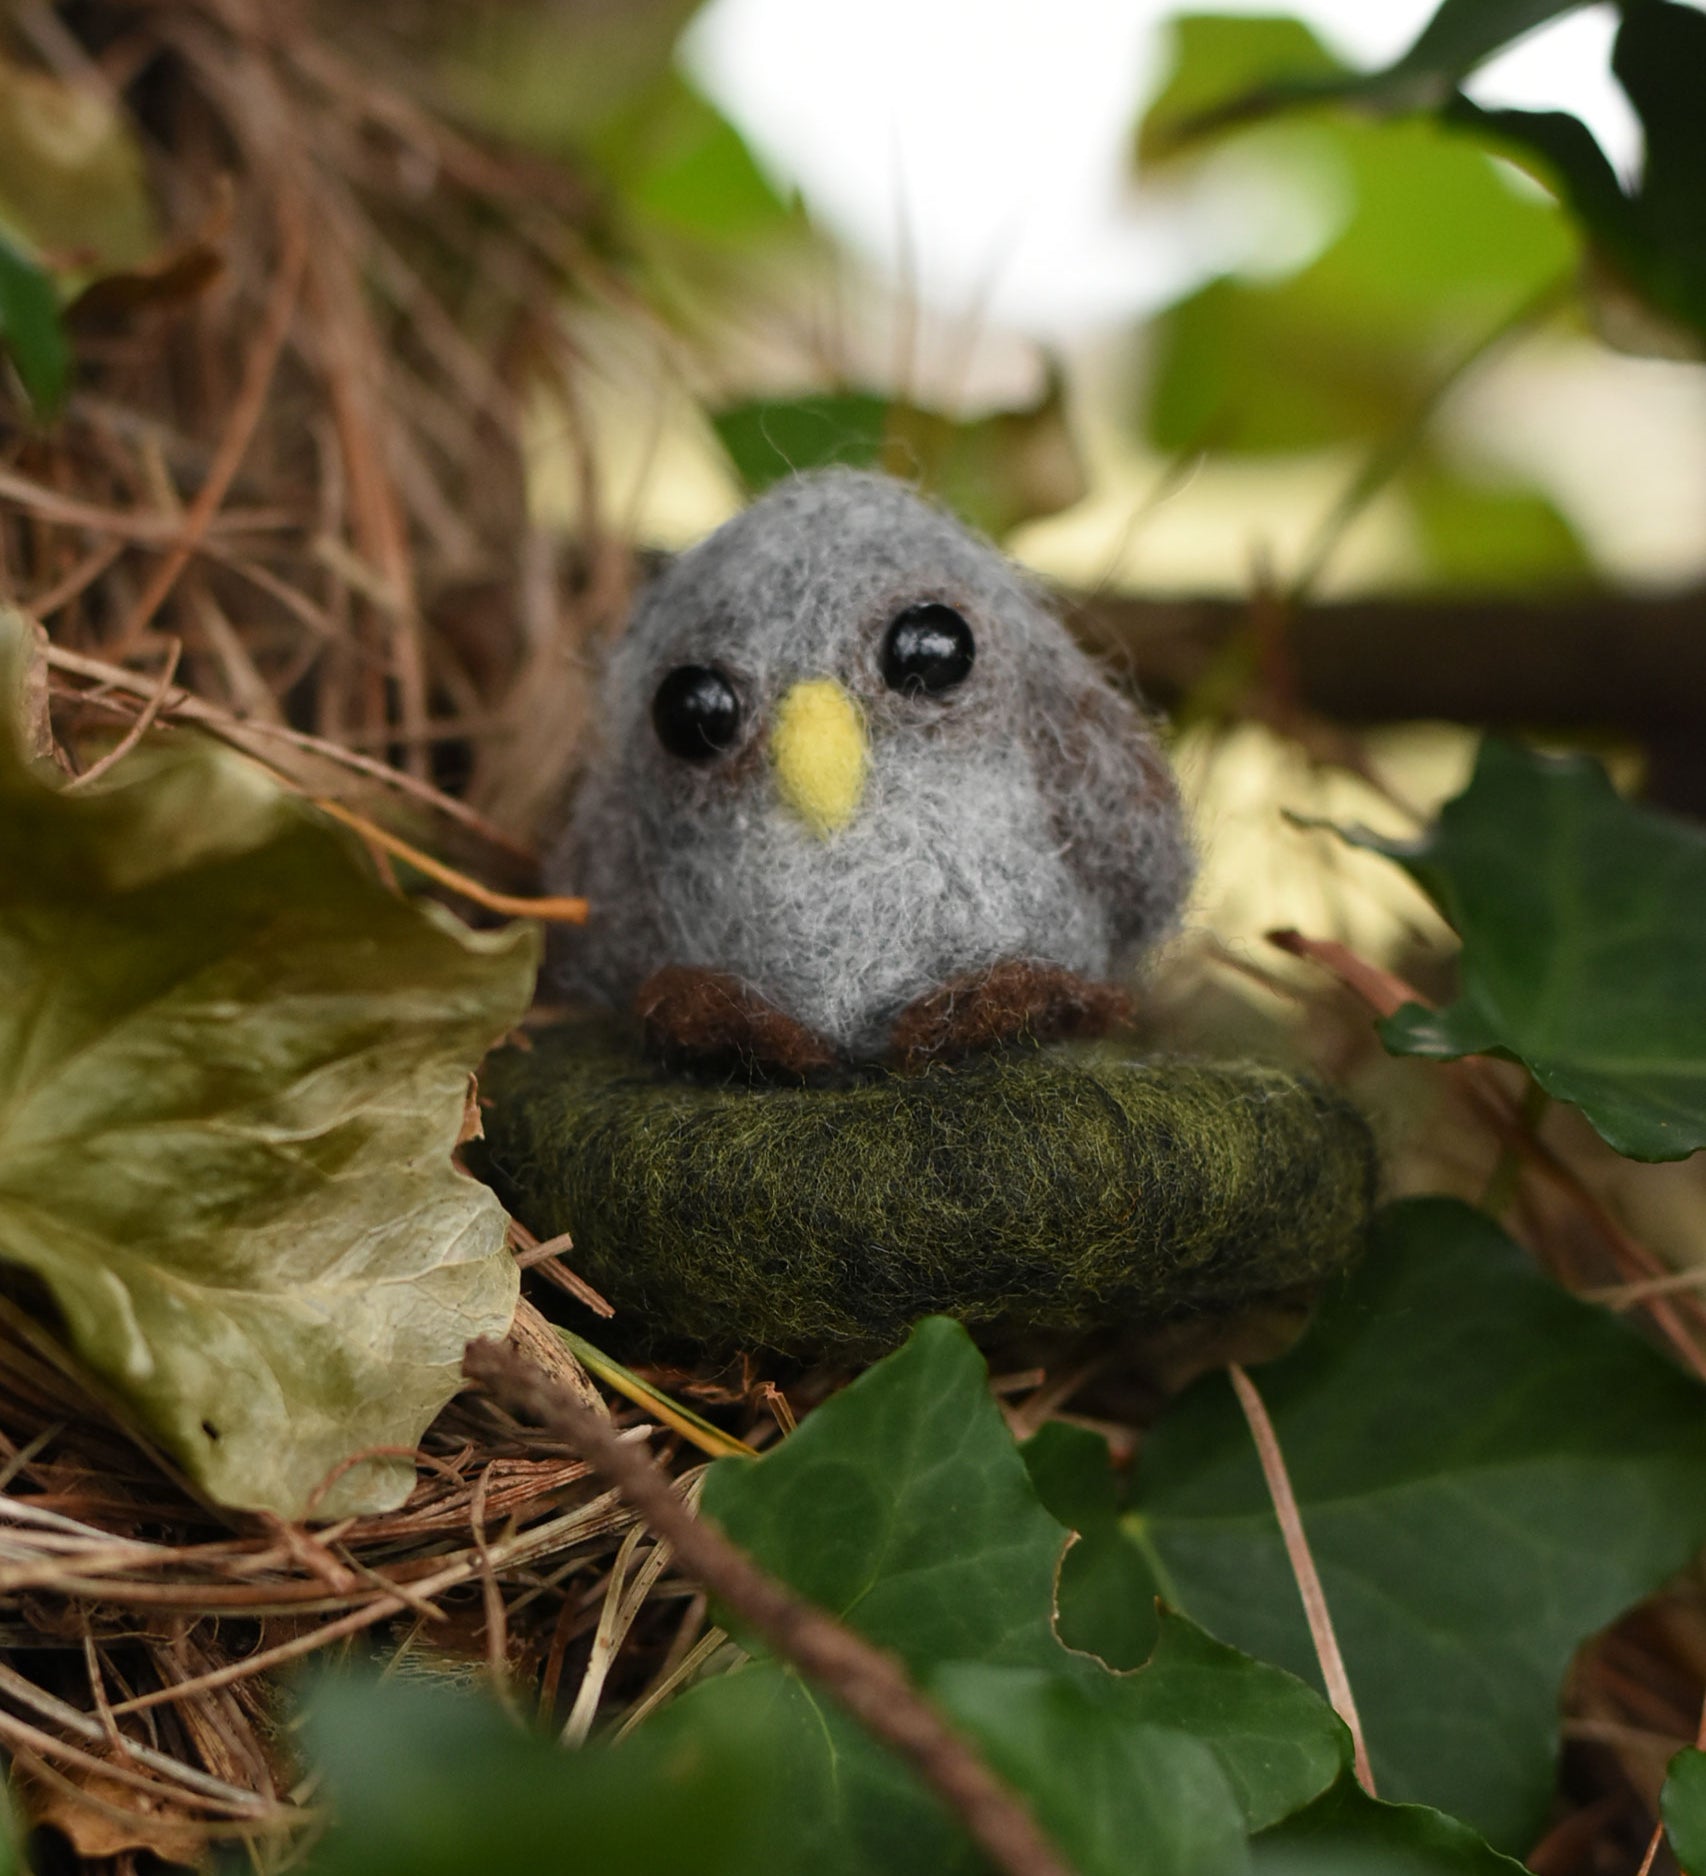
<point>870,1684</point>
<point>547,1258</point>
<point>138,728</point>
<point>1302,1560</point>
<point>672,1678</point>
<point>1627,1295</point>
<point>558,910</point>
<point>1658,1835</point>
<point>239,431</point>
<point>237,731</point>
<point>607,1638</point>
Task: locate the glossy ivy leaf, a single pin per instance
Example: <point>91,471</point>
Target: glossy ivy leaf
<point>1488,1470</point>
<point>1275,1738</point>
<point>427,1781</point>
<point>903,1505</point>
<point>1683,1806</point>
<point>236,1066</point>
<point>1116,1795</point>
<point>1583,920</point>
<point>1648,286</point>
<point>1105,1603</point>
<point>1348,1833</point>
<point>1460,36</point>
<point>837,1804</point>
<point>30,331</point>
<point>1277,73</point>
<point>1113,1791</point>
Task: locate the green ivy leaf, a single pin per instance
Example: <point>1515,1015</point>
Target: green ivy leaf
<point>1275,1738</point>
<point>1583,920</point>
<point>30,330</point>
<point>903,1505</point>
<point>1648,282</point>
<point>1218,62</point>
<point>769,438</point>
<point>235,1070</point>
<point>1488,1472</point>
<point>1348,1833</point>
<point>1434,248</point>
<point>1102,1781</point>
<point>1683,1806</point>
<point>994,471</point>
<point>1650,244</point>
<point>1105,1600</point>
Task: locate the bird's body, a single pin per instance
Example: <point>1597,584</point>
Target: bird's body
<point>848,759</point>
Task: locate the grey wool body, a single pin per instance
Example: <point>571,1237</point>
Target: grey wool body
<point>1025,813</point>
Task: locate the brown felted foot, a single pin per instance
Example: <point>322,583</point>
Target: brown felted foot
<point>1016,998</point>
<point>708,1020</point>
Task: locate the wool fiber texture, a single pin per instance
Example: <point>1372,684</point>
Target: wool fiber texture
<point>1028,814</point>
<point>1067,1187</point>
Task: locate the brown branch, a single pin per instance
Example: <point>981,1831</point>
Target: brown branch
<point>1302,1559</point>
<point>1628,659</point>
<point>869,1683</point>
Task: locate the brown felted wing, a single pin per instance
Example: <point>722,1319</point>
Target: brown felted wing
<point>1055,1188</point>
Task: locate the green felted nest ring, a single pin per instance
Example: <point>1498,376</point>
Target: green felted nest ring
<point>1058,1188</point>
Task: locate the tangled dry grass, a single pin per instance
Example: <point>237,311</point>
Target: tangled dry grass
<point>295,464</point>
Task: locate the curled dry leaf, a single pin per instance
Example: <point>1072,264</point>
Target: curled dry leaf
<point>99,1817</point>
<point>235,1068</point>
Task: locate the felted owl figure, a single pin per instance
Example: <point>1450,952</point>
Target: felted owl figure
<point>858,798</point>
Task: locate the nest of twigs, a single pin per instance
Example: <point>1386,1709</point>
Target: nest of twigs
<point>142,1630</point>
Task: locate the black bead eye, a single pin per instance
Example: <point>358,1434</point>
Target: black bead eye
<point>696,712</point>
<point>928,650</point>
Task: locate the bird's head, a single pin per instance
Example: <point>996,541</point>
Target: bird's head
<point>837,618</point>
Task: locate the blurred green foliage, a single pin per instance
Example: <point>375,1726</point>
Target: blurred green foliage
<point>1436,253</point>
<point>31,332</point>
<point>1650,235</point>
<point>600,88</point>
<point>995,471</point>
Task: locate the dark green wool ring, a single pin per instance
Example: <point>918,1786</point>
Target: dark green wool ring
<point>1059,1188</point>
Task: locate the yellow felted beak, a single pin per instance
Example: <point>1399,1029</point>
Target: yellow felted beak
<point>819,747</point>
